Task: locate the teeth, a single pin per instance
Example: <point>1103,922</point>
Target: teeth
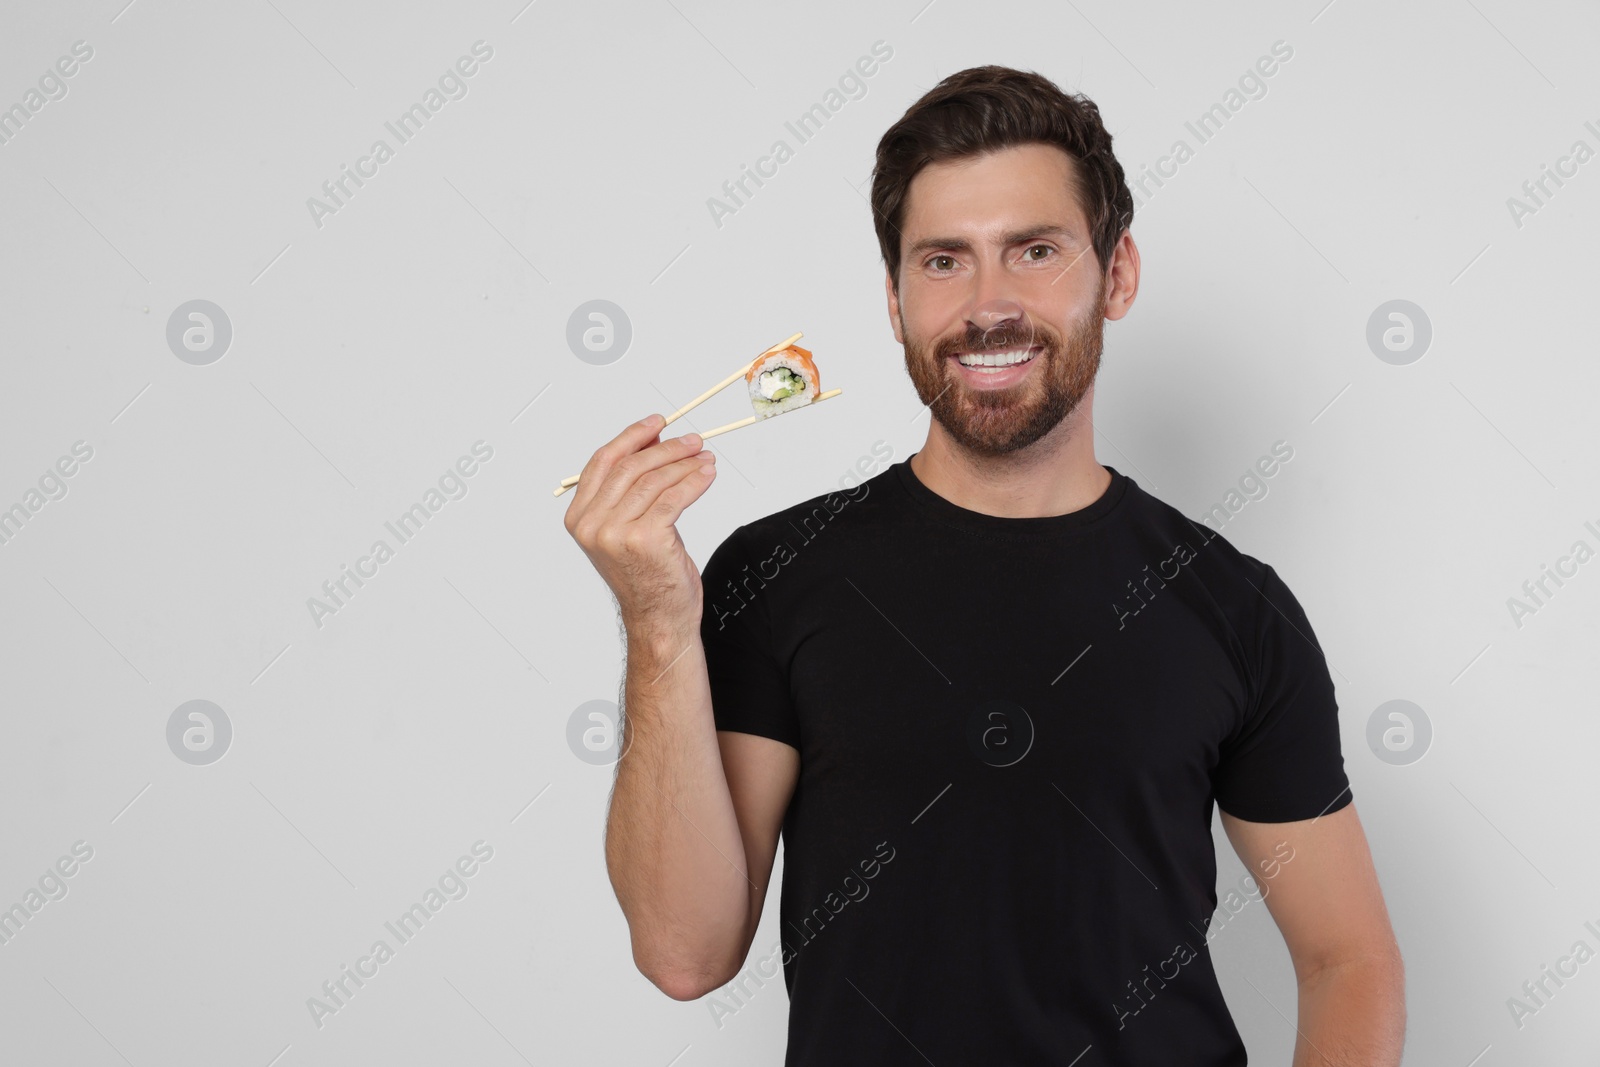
<point>995,359</point>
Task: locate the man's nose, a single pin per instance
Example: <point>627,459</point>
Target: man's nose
<point>993,312</point>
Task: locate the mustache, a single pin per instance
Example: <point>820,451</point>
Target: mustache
<point>1012,333</point>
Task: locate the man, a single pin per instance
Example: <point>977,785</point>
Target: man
<point>990,695</point>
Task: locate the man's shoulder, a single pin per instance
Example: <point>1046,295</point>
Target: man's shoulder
<point>1196,543</point>
<point>857,497</point>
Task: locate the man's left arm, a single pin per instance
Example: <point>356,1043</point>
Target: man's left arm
<point>1327,904</point>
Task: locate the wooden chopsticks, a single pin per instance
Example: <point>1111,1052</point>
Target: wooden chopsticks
<point>569,482</point>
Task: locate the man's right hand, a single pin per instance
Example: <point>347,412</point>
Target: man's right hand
<point>628,498</point>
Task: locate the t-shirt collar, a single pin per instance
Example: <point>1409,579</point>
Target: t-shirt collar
<point>953,514</point>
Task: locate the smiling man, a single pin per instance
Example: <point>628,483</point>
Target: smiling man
<point>1005,665</point>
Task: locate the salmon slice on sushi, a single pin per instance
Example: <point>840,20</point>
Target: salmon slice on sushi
<point>782,380</point>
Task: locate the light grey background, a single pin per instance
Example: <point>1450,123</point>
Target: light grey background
<point>430,312</point>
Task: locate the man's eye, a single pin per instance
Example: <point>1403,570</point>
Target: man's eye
<point>1047,249</point>
<point>937,260</point>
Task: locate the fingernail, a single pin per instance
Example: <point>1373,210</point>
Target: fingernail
<point>649,419</point>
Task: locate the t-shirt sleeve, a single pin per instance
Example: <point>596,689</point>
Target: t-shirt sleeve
<point>1284,763</point>
<point>749,686</point>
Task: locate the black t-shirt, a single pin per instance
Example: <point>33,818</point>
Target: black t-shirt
<point>1011,734</point>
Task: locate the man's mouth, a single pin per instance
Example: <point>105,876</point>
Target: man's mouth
<point>993,362</point>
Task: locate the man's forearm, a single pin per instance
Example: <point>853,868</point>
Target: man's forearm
<point>673,847</point>
<point>1352,1015</point>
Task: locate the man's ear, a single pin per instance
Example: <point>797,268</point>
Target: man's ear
<point>894,306</point>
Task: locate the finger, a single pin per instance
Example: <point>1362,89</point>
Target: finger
<point>648,487</point>
<point>633,437</point>
<point>672,501</point>
<point>618,482</point>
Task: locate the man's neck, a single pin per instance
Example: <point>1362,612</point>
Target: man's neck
<point>1053,476</point>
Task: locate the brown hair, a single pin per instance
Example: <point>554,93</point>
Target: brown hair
<point>982,109</point>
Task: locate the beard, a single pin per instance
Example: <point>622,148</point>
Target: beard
<point>994,422</point>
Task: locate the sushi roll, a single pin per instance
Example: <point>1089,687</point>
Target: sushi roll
<point>783,380</point>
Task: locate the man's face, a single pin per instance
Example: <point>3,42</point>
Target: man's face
<point>997,259</point>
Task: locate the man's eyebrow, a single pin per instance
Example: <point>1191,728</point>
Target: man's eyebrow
<point>961,244</point>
